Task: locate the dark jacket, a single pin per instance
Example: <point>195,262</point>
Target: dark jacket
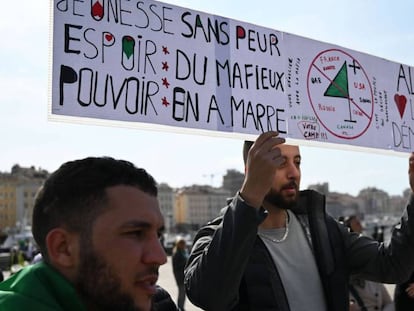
<point>401,300</point>
<point>231,269</point>
<point>179,259</point>
<point>162,301</point>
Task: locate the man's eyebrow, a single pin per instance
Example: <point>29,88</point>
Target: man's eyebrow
<point>137,223</point>
<point>141,224</point>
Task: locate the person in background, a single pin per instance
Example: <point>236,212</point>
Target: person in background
<point>378,233</point>
<point>179,259</point>
<point>97,224</point>
<point>366,295</point>
<point>274,247</point>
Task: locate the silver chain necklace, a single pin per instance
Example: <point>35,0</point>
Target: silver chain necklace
<point>285,235</point>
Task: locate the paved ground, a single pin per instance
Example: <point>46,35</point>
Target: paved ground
<point>166,280</point>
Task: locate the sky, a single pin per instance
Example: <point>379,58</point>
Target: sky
<point>378,27</point>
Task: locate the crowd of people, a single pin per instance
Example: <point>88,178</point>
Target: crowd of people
<point>97,224</point>
<point>367,295</point>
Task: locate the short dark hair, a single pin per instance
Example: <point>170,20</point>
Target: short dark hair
<point>348,221</point>
<point>74,195</point>
<point>246,147</point>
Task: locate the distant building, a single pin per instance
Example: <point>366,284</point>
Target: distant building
<point>338,204</point>
<point>375,201</point>
<point>166,201</point>
<point>17,193</point>
<point>343,205</point>
<point>232,181</point>
<point>322,188</point>
<point>196,205</point>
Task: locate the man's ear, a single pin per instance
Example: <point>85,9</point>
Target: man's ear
<point>63,248</point>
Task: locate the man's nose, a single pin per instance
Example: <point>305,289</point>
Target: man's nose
<point>155,253</point>
<point>293,171</point>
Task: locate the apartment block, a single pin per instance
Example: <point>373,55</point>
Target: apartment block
<point>232,181</point>
<point>196,205</point>
<point>17,193</point>
<point>166,202</point>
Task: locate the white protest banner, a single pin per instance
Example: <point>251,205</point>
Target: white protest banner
<point>149,62</point>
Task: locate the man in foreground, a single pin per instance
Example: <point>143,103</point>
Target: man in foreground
<point>275,248</point>
<point>97,224</point>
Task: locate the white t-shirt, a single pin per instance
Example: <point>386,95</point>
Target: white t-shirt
<point>296,265</point>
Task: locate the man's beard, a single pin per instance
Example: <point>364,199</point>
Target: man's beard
<point>277,199</point>
<point>98,285</point>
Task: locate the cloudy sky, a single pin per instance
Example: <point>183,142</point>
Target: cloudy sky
<point>381,28</point>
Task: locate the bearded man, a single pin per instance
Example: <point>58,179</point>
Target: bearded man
<point>97,224</point>
<point>275,248</point>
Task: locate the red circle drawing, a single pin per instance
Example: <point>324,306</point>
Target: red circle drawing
<point>340,94</point>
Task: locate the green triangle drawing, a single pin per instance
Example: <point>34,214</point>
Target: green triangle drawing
<point>339,85</point>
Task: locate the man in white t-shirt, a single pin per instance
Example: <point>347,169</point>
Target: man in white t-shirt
<point>275,248</point>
